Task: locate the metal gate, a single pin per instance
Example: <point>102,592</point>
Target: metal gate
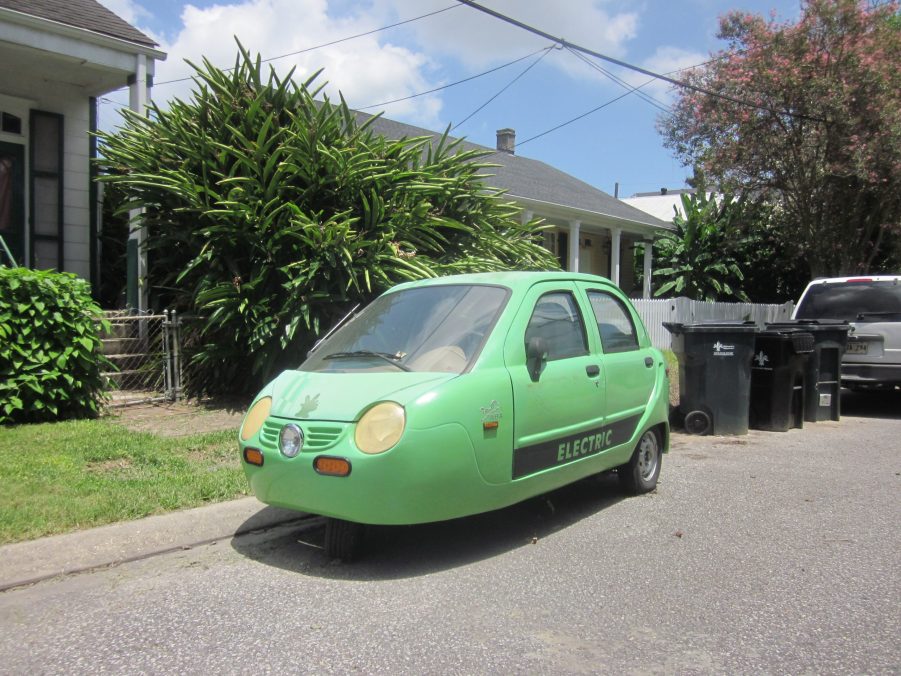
<point>146,353</point>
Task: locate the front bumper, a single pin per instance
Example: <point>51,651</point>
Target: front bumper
<point>431,475</point>
<point>871,375</point>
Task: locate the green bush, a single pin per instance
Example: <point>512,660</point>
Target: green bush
<point>50,359</point>
<point>271,213</point>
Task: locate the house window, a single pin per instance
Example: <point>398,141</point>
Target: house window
<point>46,190</point>
<point>12,201</point>
<point>10,124</point>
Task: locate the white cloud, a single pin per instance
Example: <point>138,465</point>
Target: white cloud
<point>670,61</point>
<point>366,70</point>
<point>478,40</point>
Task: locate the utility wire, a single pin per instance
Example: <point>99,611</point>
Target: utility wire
<point>315,47</point>
<point>624,64</point>
<point>575,119</point>
<point>454,84</point>
<point>604,105</point>
<point>647,98</point>
<point>333,42</point>
<point>547,51</point>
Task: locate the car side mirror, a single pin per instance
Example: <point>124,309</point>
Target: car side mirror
<point>536,356</point>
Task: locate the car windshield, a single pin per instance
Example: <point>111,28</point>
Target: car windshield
<point>429,328</point>
<point>852,301</point>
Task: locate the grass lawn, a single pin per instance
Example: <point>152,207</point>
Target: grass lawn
<point>60,477</point>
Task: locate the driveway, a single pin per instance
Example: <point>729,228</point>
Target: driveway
<point>774,553</point>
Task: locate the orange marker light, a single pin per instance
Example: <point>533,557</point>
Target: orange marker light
<point>490,425</point>
<point>253,456</point>
<point>331,466</point>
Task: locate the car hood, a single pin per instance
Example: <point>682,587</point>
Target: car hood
<point>342,397</point>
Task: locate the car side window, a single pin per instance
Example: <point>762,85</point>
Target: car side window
<point>615,324</point>
<point>556,319</point>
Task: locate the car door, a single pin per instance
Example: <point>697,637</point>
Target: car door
<point>629,363</point>
<point>555,409</point>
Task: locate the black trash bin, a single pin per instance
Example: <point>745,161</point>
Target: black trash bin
<point>714,375</point>
<point>777,379</point>
<point>822,379</point>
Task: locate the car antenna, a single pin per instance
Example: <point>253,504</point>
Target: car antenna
<point>334,328</point>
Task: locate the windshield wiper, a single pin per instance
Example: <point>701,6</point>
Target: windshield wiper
<point>393,359</point>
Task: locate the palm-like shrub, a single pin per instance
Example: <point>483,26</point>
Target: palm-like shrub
<point>270,213</point>
<point>698,258</point>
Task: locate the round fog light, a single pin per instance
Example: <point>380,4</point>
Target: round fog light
<point>290,440</point>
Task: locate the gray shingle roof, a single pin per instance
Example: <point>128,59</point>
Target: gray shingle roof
<point>532,179</point>
<point>86,14</point>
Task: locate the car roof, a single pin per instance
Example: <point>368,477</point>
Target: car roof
<point>513,279</point>
<point>856,278</point>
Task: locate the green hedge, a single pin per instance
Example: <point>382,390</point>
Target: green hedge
<point>50,357</point>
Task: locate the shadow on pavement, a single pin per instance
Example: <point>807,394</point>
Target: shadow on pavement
<point>394,552</point>
<point>885,405</point>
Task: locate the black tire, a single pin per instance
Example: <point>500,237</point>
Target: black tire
<point>344,539</point>
<point>640,474</point>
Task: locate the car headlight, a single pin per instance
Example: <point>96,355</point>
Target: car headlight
<point>380,427</point>
<point>255,418</point>
<point>290,440</point>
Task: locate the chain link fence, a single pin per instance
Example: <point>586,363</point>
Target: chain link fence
<point>146,353</point>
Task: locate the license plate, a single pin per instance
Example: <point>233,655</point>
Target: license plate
<point>857,348</point>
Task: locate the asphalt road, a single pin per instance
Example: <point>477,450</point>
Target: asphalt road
<point>771,553</point>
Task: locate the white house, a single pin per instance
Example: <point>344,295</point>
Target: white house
<point>56,58</point>
<point>663,205</point>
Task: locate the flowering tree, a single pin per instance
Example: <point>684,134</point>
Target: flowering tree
<point>810,114</point>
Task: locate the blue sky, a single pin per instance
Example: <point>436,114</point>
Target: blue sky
<point>618,143</point>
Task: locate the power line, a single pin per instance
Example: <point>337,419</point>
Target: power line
<point>618,80</point>
<point>575,119</point>
<point>547,51</point>
<point>604,105</point>
<point>624,64</point>
<point>454,84</point>
<point>324,44</point>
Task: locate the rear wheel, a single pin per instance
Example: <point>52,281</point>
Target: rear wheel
<point>343,539</point>
<point>640,474</point>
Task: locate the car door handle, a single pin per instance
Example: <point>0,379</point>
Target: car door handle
<point>649,361</point>
<point>593,370</point>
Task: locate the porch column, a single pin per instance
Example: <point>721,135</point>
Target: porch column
<point>527,216</point>
<point>574,228</point>
<point>648,256</point>
<point>615,245</point>
<point>137,297</point>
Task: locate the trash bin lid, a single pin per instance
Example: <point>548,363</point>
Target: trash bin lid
<point>801,339</point>
<point>813,325</point>
<point>715,326</point>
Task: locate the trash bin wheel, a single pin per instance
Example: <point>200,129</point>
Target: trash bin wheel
<point>639,475</point>
<point>698,422</point>
<point>343,539</point>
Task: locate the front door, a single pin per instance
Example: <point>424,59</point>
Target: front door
<point>12,201</point>
<point>556,408</point>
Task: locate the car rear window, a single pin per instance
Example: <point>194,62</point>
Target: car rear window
<point>852,301</point>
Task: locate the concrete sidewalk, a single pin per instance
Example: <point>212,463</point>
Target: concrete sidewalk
<point>24,563</point>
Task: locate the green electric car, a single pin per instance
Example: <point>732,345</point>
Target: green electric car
<point>453,396</point>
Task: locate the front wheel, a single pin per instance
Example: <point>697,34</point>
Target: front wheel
<point>640,474</point>
<point>343,539</point>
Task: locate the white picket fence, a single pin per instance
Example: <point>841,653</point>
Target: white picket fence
<point>654,312</point>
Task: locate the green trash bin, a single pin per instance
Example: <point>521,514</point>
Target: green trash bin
<point>823,375</point>
<point>714,375</point>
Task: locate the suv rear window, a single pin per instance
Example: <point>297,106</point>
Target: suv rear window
<point>852,301</point>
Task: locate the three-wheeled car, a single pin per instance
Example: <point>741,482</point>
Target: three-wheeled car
<point>453,396</point>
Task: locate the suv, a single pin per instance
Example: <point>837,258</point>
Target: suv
<point>872,305</point>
